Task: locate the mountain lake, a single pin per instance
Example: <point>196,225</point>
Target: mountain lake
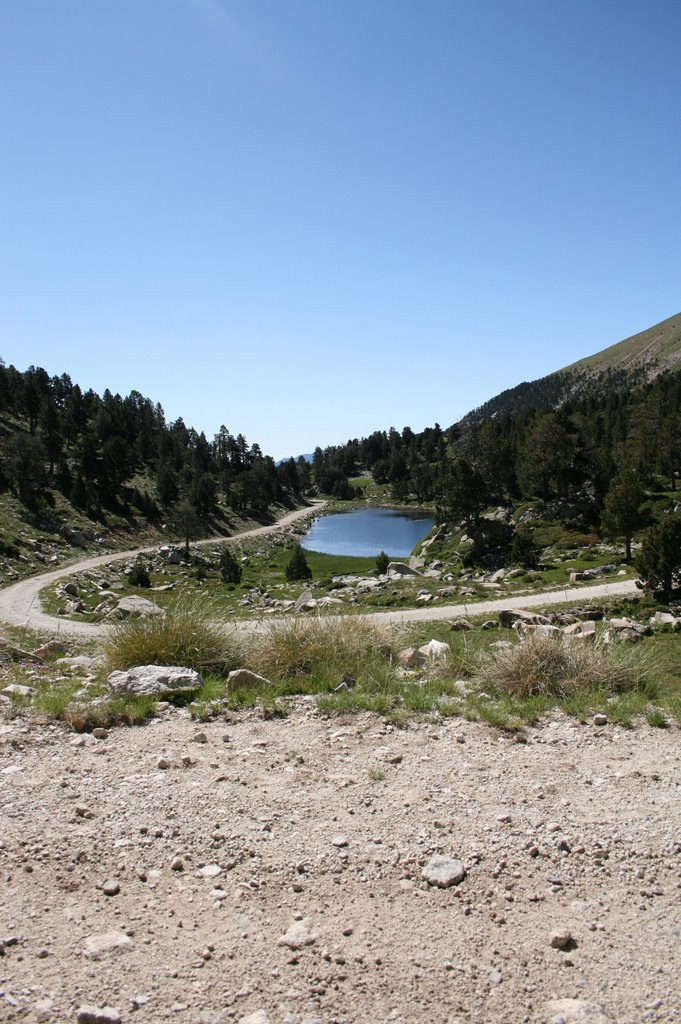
<point>366,532</point>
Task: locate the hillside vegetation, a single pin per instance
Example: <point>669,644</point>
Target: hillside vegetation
<point>77,469</point>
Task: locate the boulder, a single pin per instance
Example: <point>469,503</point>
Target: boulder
<point>304,600</point>
<point>544,629</point>
<point>626,625</point>
<point>582,630</point>
<point>154,681</point>
<point>435,650</point>
<point>509,616</point>
<point>8,652</point>
<point>136,607</point>
<point>410,658</point>
<point>52,649</point>
<point>461,625</point>
<point>244,677</point>
<point>402,569</point>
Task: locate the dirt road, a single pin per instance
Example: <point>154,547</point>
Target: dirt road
<point>20,603</point>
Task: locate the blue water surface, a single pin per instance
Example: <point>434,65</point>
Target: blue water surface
<point>365,532</point>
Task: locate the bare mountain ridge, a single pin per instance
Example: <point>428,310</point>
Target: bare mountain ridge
<point>626,364</point>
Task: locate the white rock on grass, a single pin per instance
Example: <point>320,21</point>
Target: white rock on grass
<point>136,607</point>
<point>244,677</point>
<point>154,681</point>
<point>443,871</point>
<point>435,650</point>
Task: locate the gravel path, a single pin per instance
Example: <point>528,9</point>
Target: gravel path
<point>270,872</point>
<point>20,603</point>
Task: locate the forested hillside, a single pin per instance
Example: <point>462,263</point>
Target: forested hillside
<point>543,446</point>
<point>118,459</point>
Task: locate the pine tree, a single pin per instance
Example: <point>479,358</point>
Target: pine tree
<point>297,568</point>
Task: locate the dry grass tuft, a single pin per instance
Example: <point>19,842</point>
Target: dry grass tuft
<point>330,647</point>
<point>558,667</point>
<point>185,636</point>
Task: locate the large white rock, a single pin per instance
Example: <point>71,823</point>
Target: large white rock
<point>435,650</point>
<point>402,569</point>
<point>244,677</point>
<point>509,616</point>
<point>136,607</point>
<point>154,681</point>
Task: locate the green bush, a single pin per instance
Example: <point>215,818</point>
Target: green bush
<point>297,568</point>
<point>659,560</point>
<point>525,550</point>
<point>382,562</point>
<point>139,576</point>
<point>230,568</point>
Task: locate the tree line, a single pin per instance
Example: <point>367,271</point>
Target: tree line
<point>108,453</point>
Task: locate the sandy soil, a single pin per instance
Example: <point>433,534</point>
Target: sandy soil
<point>214,845</point>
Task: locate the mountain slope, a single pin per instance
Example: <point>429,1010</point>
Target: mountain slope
<point>624,365</point>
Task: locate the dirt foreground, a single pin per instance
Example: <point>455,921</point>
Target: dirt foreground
<point>271,871</point>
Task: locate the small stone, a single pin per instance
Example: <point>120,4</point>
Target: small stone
<point>83,812</point>
<point>163,764</point>
<point>495,977</point>
<point>300,934</point>
<point>104,943</point>
<point>561,939</point>
<point>111,887</point>
<point>259,1017</point>
<point>576,1011</point>
<point>177,864</point>
<point>443,871</point>
<point>93,1015</point>
<point>339,841</point>
<point>600,719</point>
<point>200,737</point>
<point>210,871</point>
<point>100,734</point>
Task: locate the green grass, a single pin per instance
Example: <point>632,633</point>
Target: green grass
<point>187,636</point>
<point>349,665</point>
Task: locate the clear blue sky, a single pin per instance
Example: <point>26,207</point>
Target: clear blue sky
<point>311,219</point>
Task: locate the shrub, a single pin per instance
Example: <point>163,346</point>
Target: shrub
<point>184,636</point>
<point>659,561</point>
<point>382,562</point>
<point>230,568</point>
<point>328,649</point>
<point>297,568</point>
<point>139,576</point>
<point>558,666</point>
<point>525,551</point>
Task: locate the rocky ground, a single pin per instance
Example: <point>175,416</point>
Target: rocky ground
<point>272,870</point>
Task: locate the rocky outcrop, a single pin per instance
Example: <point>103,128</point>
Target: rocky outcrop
<point>154,681</point>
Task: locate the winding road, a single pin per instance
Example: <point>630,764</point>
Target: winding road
<point>20,602</point>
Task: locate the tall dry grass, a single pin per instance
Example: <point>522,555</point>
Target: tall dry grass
<point>326,649</point>
<point>186,636</point>
<point>558,667</point>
